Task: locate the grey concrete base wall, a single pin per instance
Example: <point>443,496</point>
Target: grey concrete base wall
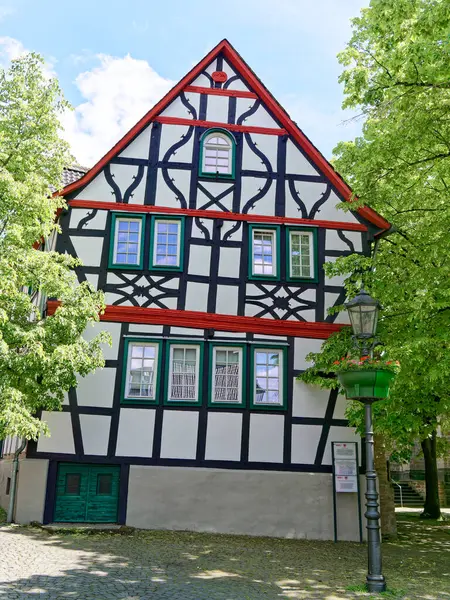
<point>5,472</point>
<point>32,486</point>
<point>293,505</point>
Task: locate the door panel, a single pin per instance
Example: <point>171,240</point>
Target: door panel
<point>71,493</point>
<point>87,493</point>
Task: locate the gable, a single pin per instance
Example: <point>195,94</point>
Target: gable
<point>280,172</point>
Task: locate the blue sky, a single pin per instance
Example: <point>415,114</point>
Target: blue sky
<point>115,59</point>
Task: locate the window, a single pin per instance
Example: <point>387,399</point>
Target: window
<point>167,243</point>
<point>227,375</point>
<point>217,154</point>
<point>184,371</point>
<point>104,484</point>
<point>73,484</point>
<point>142,371</point>
<point>126,246</point>
<point>268,374</point>
<point>301,254</point>
<point>264,252</point>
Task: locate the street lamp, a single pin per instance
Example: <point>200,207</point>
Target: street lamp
<point>363,312</point>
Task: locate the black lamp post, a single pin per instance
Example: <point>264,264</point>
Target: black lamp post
<point>363,312</point>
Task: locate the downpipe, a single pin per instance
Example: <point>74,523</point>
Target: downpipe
<point>13,489</point>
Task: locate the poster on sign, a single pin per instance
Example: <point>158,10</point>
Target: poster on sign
<point>345,478</point>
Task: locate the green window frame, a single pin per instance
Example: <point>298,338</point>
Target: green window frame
<point>153,365</point>
<point>129,242</point>
<point>298,248</point>
<point>215,153</point>
<point>181,380</point>
<point>268,378</point>
<point>166,246</point>
<point>259,261</point>
<point>225,382</point>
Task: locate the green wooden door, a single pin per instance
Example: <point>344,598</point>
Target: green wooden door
<point>87,493</point>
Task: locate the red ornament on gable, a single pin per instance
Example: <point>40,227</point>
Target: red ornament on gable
<point>219,76</point>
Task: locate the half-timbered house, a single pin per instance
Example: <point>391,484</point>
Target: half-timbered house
<point>207,226</point>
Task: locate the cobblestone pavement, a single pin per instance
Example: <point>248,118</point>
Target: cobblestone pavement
<point>186,566</point>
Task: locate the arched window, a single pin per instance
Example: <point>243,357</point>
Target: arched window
<point>217,156</point>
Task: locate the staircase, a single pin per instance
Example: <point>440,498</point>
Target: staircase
<point>411,498</point>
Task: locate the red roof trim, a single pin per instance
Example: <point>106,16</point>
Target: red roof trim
<point>231,127</point>
<point>201,320</point>
<point>261,91</point>
<point>215,214</point>
<point>220,92</point>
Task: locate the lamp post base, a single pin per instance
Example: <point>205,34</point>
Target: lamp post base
<point>375,583</point>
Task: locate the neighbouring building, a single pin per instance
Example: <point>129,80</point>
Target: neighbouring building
<point>207,226</point>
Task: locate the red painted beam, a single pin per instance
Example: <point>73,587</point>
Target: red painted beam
<point>199,320</point>
<point>230,127</point>
<point>220,92</point>
<point>215,214</point>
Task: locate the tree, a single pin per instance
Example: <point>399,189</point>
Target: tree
<point>397,73</point>
<point>39,356</point>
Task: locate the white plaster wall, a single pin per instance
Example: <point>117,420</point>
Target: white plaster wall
<point>265,205</point>
<point>267,144</point>
<point>139,328</point>
<point>170,135</point>
<point>98,222</point>
<point>61,435</point>
<point>164,195</point>
<point>124,177</point>
<point>341,405</point>
<point>292,505</point>
<point>260,118</point>
<point>266,438</point>
<point>98,189</point>
<point>135,435</point>
<point>95,434</point>
<point>309,400</point>
<point>227,299</point>
<point>229,262</point>
<point>177,109</point>
<point>305,439</point>
<point>197,296</point>
<point>329,212</point>
<point>337,280</point>
<point>97,389</point>
<point>302,347</point>
<point>88,249</point>
<point>334,242</point>
<point>109,352</point>
<point>206,224</point>
<point>179,434</point>
<point>296,163</point>
<point>223,436</point>
<point>236,236</point>
<point>217,109</point>
<point>31,488</point>
<point>215,188</point>
<point>139,147</point>
<point>199,260</point>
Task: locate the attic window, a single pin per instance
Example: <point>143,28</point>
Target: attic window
<point>217,154</point>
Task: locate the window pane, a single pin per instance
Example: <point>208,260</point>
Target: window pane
<point>127,240</point>
<point>73,484</point>
<point>217,154</point>
<point>227,371</point>
<point>141,371</point>
<point>167,244</point>
<point>104,485</point>
<point>183,381</point>
<point>263,252</point>
<point>267,384</point>
<point>300,251</point>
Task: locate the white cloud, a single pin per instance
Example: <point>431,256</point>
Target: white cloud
<point>10,49</point>
<point>117,93</point>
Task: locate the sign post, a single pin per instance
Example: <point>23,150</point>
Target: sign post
<point>345,477</point>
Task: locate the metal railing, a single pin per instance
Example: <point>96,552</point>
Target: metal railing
<point>401,492</point>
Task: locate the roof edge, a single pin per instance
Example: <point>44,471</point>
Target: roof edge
<point>260,89</point>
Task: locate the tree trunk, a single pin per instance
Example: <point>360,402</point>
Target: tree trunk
<point>387,505</point>
<point>432,507</point>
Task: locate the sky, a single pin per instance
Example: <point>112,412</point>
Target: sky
<point>116,59</point>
